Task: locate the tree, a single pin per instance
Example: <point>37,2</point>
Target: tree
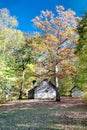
<point>81,52</point>
<point>10,40</point>
<point>6,20</point>
<point>66,85</point>
<point>82,30</point>
<point>58,38</point>
<point>23,57</point>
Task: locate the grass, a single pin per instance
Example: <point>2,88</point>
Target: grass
<point>69,114</point>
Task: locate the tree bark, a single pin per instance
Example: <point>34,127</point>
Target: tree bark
<point>57,85</point>
<point>22,87</point>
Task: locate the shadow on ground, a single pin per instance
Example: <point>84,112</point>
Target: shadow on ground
<point>69,114</point>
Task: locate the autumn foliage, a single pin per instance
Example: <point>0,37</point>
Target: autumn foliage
<point>57,41</point>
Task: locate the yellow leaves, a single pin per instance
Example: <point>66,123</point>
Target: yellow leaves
<point>70,32</point>
<point>67,68</point>
<point>65,53</point>
<point>50,38</point>
<point>31,67</point>
<point>60,35</point>
<point>47,43</point>
<point>60,58</point>
<point>12,37</point>
<point>52,53</point>
<point>38,47</point>
<point>30,70</point>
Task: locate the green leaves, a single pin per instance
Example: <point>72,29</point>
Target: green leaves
<point>81,52</point>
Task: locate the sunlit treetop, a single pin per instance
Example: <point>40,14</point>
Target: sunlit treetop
<point>7,21</point>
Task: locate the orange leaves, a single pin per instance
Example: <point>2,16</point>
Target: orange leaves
<point>47,14</point>
<point>62,26</point>
<point>67,68</point>
<point>66,53</point>
<point>52,53</point>
<point>38,47</point>
<point>50,38</point>
<point>42,21</point>
<point>59,39</point>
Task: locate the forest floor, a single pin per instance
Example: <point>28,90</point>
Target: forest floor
<point>68,114</point>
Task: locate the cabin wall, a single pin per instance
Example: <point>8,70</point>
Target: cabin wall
<point>44,91</point>
<point>78,93</point>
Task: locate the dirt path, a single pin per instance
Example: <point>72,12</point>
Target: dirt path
<point>65,101</point>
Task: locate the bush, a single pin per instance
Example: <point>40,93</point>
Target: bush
<point>3,100</point>
<point>85,95</point>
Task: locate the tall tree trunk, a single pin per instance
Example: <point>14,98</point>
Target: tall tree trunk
<point>22,86</point>
<point>56,80</point>
<point>57,85</point>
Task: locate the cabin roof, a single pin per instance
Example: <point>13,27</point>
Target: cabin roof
<point>49,82</point>
<point>76,87</point>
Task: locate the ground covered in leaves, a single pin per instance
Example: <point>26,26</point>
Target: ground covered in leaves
<point>68,114</point>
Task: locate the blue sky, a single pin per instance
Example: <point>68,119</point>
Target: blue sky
<point>25,10</point>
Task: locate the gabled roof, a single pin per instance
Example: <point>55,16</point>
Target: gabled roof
<point>76,87</point>
<point>48,81</point>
